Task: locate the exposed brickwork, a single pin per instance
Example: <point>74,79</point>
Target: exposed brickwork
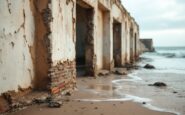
<point>63,77</point>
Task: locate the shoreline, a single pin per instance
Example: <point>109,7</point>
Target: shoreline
<point>76,103</point>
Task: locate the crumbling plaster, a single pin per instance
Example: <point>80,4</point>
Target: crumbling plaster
<point>63,32</point>
<point>16,42</point>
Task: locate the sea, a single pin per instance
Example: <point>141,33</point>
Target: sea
<point>167,58</point>
<point>169,63</point>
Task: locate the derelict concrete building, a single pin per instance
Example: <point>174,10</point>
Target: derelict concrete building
<point>45,44</point>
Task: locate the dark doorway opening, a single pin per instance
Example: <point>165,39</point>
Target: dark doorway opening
<point>84,39</point>
<point>131,45</point>
<point>117,43</point>
<point>135,45</point>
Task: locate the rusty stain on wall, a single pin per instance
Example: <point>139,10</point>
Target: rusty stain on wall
<point>42,30</point>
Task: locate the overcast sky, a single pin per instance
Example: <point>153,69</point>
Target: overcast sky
<point>162,20</point>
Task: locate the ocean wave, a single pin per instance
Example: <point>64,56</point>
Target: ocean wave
<point>172,54</point>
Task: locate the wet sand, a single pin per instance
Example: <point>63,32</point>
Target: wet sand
<point>93,98</point>
<point>91,108</point>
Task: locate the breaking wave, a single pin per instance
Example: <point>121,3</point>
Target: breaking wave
<point>172,55</point>
<point>171,52</point>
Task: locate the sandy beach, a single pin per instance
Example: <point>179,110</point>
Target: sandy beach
<point>94,97</point>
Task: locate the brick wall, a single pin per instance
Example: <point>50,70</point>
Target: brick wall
<point>63,77</point>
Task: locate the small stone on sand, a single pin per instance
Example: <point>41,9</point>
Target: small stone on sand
<point>54,104</point>
<point>144,103</point>
<point>148,66</point>
<point>95,107</point>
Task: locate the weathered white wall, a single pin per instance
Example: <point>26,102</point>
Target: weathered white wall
<point>63,30</point>
<point>123,41</point>
<point>16,44</point>
<point>100,39</point>
<point>127,39</point>
<point>116,13</point>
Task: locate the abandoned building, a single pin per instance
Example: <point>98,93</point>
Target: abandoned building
<point>147,45</point>
<point>47,44</point>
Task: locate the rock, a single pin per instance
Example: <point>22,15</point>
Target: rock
<point>42,100</point>
<point>144,103</point>
<point>68,94</point>
<point>175,92</point>
<point>120,71</point>
<point>48,99</point>
<point>95,107</point>
<point>39,101</point>
<point>103,73</point>
<point>26,102</point>
<point>17,105</point>
<point>148,66</point>
<point>8,97</point>
<point>158,84</point>
<point>54,104</point>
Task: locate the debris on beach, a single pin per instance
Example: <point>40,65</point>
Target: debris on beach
<point>68,94</point>
<point>120,71</point>
<point>148,66</point>
<point>54,104</point>
<point>158,84</point>
<point>103,73</point>
<point>131,66</point>
<point>39,100</point>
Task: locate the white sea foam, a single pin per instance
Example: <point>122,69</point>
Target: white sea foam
<point>137,99</point>
<point>131,77</point>
<point>134,76</point>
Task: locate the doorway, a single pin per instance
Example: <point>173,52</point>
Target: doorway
<point>131,45</point>
<point>117,43</point>
<point>84,39</point>
<point>135,45</point>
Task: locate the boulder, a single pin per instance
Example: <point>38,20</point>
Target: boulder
<point>158,84</point>
<point>148,66</point>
